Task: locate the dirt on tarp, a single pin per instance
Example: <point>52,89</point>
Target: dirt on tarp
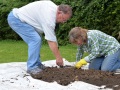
<point>67,75</point>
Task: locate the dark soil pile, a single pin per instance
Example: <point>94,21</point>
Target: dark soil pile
<point>67,75</point>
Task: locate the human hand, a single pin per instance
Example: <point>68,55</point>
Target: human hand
<point>80,63</point>
<point>59,62</point>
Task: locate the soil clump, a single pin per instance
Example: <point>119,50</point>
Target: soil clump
<point>67,75</point>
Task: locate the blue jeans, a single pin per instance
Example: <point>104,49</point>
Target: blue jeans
<point>31,37</point>
<point>109,63</point>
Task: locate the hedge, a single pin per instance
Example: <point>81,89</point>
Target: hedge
<point>103,15</point>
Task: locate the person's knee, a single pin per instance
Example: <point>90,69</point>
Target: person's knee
<point>106,69</point>
<point>111,68</point>
<point>35,41</point>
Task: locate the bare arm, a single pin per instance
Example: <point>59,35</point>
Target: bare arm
<point>54,48</point>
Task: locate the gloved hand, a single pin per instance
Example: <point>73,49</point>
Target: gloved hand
<point>80,63</point>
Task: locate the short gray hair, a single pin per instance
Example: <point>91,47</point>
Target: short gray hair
<point>66,9</point>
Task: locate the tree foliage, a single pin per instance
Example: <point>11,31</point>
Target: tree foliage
<point>5,7</point>
<point>103,15</point>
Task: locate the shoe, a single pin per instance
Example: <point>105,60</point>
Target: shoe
<point>42,67</point>
<point>36,71</point>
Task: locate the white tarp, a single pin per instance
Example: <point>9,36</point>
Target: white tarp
<point>13,76</point>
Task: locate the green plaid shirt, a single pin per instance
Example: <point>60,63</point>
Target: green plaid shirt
<point>99,44</point>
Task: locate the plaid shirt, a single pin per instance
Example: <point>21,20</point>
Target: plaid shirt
<point>99,44</point>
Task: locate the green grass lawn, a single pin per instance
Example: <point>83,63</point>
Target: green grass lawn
<point>16,51</point>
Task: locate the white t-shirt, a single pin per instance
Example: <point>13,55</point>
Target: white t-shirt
<point>41,15</point>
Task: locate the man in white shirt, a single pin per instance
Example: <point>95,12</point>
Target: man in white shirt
<point>33,19</point>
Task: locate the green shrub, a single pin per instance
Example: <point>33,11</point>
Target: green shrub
<point>103,15</point>
<point>5,7</point>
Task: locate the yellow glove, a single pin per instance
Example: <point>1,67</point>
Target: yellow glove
<point>80,63</point>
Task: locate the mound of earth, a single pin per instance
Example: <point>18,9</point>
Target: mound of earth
<point>67,75</point>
